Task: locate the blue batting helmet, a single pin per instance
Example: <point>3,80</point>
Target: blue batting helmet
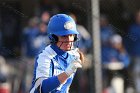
<point>62,24</point>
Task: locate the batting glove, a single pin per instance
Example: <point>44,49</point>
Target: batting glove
<point>76,63</point>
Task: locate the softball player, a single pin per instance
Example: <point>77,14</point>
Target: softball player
<point>55,67</point>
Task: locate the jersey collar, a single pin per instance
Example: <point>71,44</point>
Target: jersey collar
<point>58,50</point>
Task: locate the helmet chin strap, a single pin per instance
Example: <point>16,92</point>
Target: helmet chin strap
<point>66,42</point>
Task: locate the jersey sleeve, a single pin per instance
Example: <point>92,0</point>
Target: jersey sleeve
<point>43,68</point>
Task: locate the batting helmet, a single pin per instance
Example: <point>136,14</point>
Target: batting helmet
<point>62,24</point>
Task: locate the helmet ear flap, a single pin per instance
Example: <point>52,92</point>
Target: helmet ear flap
<point>76,38</point>
<point>53,38</point>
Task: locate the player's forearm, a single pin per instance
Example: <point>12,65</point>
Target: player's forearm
<point>50,84</point>
<point>53,82</point>
<point>62,77</point>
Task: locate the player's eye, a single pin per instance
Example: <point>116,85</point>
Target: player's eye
<point>64,36</point>
<point>68,35</point>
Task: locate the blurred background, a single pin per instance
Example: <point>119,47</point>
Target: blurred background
<point>23,34</point>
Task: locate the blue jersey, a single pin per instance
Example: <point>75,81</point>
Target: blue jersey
<point>109,53</point>
<point>132,40</point>
<point>34,41</point>
<point>50,63</point>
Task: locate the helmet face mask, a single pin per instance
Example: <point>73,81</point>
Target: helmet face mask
<point>66,42</point>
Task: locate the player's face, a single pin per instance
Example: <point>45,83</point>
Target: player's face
<point>65,42</point>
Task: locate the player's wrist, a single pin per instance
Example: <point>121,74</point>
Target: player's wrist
<point>70,71</point>
<point>62,77</point>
